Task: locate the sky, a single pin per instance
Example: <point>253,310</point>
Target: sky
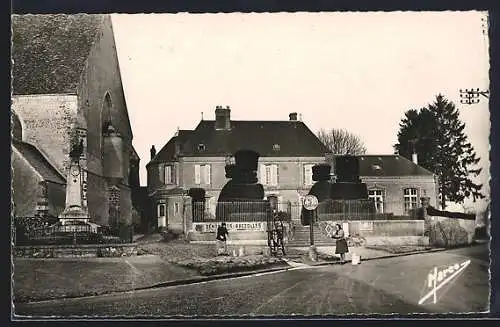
<point>358,71</point>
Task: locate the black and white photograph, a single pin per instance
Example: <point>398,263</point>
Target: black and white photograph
<point>250,165</point>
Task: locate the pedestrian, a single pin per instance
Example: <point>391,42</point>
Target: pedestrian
<point>340,243</point>
<point>221,239</point>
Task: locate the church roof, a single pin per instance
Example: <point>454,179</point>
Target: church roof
<point>50,51</point>
<point>38,162</point>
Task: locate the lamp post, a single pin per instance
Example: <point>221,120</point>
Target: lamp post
<point>472,96</point>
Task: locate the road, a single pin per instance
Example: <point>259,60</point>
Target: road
<point>393,285</point>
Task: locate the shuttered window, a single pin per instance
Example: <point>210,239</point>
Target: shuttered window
<point>308,180</point>
<point>202,174</point>
<point>269,174</point>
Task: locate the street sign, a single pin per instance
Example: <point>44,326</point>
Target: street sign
<point>310,202</point>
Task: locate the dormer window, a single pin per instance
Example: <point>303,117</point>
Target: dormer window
<point>276,147</point>
<point>201,147</point>
<point>376,167</point>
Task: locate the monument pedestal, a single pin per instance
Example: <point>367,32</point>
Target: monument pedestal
<point>74,210</point>
<point>72,214</point>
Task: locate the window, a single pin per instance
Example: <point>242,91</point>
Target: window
<point>176,208</point>
<point>169,174</point>
<point>202,174</point>
<point>276,147</point>
<point>269,174</point>
<point>160,210</point>
<point>410,198</point>
<point>378,197</point>
<point>308,174</point>
<point>201,147</point>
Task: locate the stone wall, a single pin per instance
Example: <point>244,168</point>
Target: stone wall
<point>101,77</point>
<point>24,186</point>
<point>64,251</point>
<point>56,194</point>
<point>47,121</point>
<point>97,199</point>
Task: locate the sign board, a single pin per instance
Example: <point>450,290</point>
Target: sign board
<point>310,202</point>
<point>253,226</point>
<point>366,226</point>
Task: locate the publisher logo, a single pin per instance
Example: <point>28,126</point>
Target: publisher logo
<point>437,278</point>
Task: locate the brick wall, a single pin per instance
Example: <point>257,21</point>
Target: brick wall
<point>47,121</point>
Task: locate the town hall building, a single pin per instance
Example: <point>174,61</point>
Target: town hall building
<point>288,150</point>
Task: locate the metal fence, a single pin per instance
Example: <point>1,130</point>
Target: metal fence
<point>240,211</point>
<point>36,231</point>
<point>333,210</point>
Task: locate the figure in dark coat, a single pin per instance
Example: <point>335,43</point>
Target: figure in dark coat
<point>340,243</point>
<point>221,238</point>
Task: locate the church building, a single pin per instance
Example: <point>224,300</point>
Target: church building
<point>67,86</point>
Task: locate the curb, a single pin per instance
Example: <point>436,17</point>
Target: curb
<point>395,255</point>
<point>195,280</point>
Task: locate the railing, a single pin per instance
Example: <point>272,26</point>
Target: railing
<point>34,231</point>
<point>330,210</point>
<point>239,211</point>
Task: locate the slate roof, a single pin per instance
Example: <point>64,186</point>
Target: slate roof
<point>50,51</point>
<point>167,153</point>
<point>38,162</point>
<point>389,165</point>
<point>268,138</point>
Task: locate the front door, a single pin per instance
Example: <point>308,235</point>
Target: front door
<point>162,215</point>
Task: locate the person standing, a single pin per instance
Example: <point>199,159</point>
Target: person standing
<point>221,238</point>
<point>340,243</point>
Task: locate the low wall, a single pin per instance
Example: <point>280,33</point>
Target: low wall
<point>64,251</point>
<point>240,233</point>
<point>377,228</point>
<point>450,232</point>
<point>381,232</point>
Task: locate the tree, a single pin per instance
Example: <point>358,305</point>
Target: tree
<point>341,141</point>
<point>436,135</point>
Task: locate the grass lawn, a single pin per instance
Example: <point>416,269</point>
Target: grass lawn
<point>39,279</point>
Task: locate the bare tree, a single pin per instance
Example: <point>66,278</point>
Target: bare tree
<point>341,141</point>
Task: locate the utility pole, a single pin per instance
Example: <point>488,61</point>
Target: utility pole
<point>472,96</point>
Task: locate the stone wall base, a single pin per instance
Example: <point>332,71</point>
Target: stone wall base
<point>70,251</point>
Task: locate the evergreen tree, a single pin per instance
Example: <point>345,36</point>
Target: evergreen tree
<point>437,135</point>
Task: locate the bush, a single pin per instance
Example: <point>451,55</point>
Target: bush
<point>448,234</point>
<point>172,235</point>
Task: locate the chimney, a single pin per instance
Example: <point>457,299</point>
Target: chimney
<point>293,116</point>
<point>414,158</point>
<point>153,152</point>
<point>222,118</point>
